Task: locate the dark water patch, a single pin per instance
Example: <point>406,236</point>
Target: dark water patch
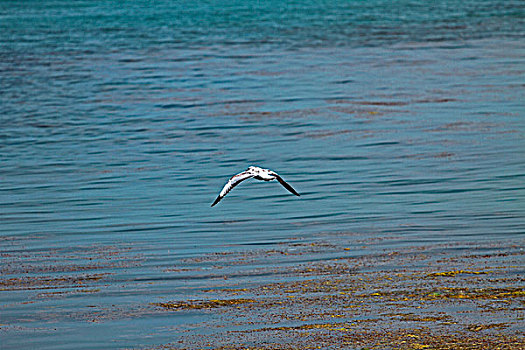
<point>379,103</point>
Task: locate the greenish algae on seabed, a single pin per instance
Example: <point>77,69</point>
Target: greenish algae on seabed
<point>461,302</point>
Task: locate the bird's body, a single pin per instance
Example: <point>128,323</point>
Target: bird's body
<point>256,173</point>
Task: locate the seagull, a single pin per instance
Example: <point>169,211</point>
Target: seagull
<point>258,174</point>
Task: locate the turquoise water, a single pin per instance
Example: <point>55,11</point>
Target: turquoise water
<point>120,123</point>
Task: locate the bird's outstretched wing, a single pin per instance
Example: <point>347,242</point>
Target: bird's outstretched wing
<point>286,185</point>
<point>232,182</point>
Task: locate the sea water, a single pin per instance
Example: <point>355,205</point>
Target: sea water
<point>121,121</point>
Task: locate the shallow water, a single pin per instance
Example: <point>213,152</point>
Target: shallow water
<point>120,124</point>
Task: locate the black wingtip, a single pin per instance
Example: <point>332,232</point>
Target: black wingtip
<point>216,201</point>
<point>287,186</point>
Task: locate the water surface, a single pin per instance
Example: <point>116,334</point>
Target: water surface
<point>120,123</point>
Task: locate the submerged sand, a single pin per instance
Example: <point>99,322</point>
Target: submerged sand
<point>432,297</point>
<point>294,295</point>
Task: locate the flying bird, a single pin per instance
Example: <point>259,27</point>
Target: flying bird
<point>256,173</point>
